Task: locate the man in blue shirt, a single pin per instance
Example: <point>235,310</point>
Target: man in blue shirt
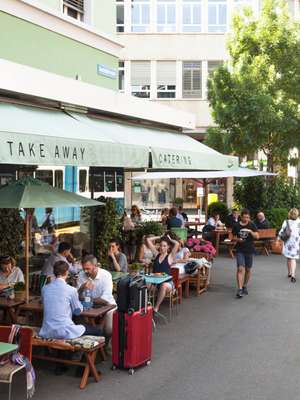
<point>60,302</point>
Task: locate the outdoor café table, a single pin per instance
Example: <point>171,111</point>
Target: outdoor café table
<point>195,224</point>
<point>36,308</point>
<point>218,233</point>
<point>157,279</point>
<point>7,348</point>
<point>116,276</point>
<point>11,306</point>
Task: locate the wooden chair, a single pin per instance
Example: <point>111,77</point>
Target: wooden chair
<point>201,279</point>
<point>173,295</point>
<point>8,370</point>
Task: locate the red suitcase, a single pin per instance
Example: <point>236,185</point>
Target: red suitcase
<point>132,339</point>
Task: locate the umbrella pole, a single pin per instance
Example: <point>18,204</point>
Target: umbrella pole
<point>27,243</point>
<point>205,199</point>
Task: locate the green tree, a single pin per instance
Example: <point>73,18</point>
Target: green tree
<point>255,97</point>
<point>11,232</point>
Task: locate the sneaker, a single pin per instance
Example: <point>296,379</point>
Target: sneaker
<point>245,290</point>
<point>293,279</point>
<point>239,294</point>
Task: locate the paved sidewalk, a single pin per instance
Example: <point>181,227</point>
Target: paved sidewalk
<point>217,348</point>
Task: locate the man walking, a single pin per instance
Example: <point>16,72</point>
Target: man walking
<point>244,232</point>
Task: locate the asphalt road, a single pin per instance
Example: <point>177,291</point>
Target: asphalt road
<point>217,348</point>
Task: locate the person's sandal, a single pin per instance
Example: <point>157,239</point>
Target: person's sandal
<point>293,279</point>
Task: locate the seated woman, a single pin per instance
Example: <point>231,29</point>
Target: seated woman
<point>183,254</point>
<point>117,260</point>
<point>9,273</point>
<point>164,258</point>
<point>146,255</point>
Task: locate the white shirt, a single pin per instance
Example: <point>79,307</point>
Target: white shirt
<point>50,261</point>
<point>103,285</point>
<point>15,276</point>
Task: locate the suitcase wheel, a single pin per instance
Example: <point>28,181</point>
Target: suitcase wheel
<point>113,367</point>
<point>148,362</point>
<point>131,371</point>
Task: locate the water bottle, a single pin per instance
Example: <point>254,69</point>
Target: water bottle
<point>87,302</point>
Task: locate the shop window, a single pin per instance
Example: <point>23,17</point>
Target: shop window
<point>166,15</point>
<point>45,175</point>
<point>121,76</point>
<point>82,180</point>
<point>140,78</point>
<point>192,79</point>
<point>166,79</point>
<point>120,181</point>
<point>97,181</point>
<point>191,15</point>
<point>74,9</point>
<point>217,15</point>
<point>140,15</point>
<point>110,181</point>
<point>59,179</point>
<point>120,15</point>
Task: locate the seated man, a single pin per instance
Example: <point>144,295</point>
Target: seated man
<point>60,302</point>
<point>232,218</point>
<point>261,222</point>
<point>99,281</point>
<point>173,220</point>
<point>117,260</point>
<point>63,254</point>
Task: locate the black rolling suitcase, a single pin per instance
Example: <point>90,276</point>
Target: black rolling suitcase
<point>131,292</point>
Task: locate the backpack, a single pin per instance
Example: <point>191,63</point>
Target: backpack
<point>191,267</point>
<point>286,233</point>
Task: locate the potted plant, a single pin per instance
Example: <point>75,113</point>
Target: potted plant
<point>19,289</point>
<point>135,267</point>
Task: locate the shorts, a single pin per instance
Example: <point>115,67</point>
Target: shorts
<point>244,260</point>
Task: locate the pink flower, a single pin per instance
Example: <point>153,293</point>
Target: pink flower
<point>197,247</point>
<point>197,241</point>
<point>190,243</point>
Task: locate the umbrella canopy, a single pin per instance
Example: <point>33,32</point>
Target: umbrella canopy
<point>32,193</point>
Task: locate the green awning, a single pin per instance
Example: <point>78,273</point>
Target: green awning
<point>169,150</point>
<point>36,136</point>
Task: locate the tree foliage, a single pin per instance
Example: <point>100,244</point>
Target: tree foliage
<point>255,97</point>
<point>11,232</point>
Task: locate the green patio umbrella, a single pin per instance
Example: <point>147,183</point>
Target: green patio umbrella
<point>29,193</point>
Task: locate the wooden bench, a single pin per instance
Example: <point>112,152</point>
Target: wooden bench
<point>266,237</point>
<point>88,345</point>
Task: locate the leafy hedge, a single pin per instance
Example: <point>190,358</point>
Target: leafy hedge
<point>11,232</point>
<point>219,208</point>
<point>276,216</point>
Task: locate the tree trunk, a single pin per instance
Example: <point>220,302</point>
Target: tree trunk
<point>270,162</point>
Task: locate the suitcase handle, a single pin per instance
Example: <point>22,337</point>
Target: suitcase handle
<point>146,301</point>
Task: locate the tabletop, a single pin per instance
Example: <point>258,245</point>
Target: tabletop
<point>36,306</point>
<point>10,303</point>
<point>157,279</point>
<point>117,275</point>
<point>7,348</point>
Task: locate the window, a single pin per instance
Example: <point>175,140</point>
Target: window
<point>140,78</point>
<point>240,4</point>
<point>166,15</point>
<point>120,181</point>
<point>166,79</point>
<point>217,15</point>
<point>59,179</point>
<point>97,181</point>
<point>82,180</point>
<point>121,76</point>
<point>120,15</point>
<point>140,15</point>
<point>110,181</point>
<point>212,65</point>
<point>45,175</point>
<point>74,8</point>
<point>192,79</point>
<point>191,15</point>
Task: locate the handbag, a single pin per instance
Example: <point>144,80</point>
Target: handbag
<point>191,267</point>
<point>286,233</point>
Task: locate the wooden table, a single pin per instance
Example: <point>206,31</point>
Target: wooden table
<point>194,224</point>
<point>11,306</point>
<point>7,348</point>
<point>36,307</point>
